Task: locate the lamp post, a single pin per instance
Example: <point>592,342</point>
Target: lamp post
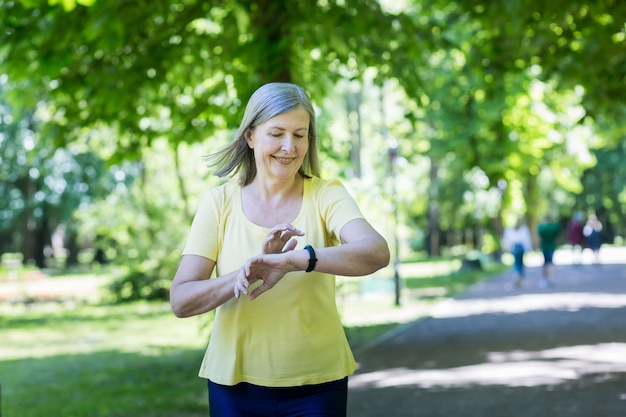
<point>393,159</point>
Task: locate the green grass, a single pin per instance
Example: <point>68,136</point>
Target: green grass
<point>130,360</point>
<point>78,360</point>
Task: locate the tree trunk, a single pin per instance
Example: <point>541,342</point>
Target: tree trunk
<point>181,182</point>
<point>5,242</point>
<point>71,245</point>
<point>532,214</point>
<point>42,238</point>
<point>433,210</point>
<point>353,102</point>
<point>271,28</point>
<point>27,224</point>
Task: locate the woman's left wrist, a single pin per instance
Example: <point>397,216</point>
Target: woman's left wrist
<point>312,258</point>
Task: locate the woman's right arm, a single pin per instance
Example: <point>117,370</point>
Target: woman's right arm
<point>192,291</point>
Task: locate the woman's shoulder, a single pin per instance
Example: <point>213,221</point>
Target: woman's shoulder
<point>227,187</point>
<point>222,193</point>
<point>317,183</point>
<point>326,188</point>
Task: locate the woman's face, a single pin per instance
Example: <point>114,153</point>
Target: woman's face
<point>280,144</point>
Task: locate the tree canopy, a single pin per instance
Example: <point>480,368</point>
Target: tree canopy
<point>505,102</point>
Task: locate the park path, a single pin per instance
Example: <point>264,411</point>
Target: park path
<point>37,286</point>
<point>500,352</point>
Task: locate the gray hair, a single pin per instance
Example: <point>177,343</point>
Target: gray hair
<point>269,101</point>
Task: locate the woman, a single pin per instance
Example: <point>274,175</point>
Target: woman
<point>517,241</point>
<point>272,243</point>
<point>576,237</point>
<point>593,233</point>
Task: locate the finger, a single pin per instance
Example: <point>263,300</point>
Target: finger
<point>239,290</point>
<point>290,245</point>
<point>284,230</point>
<point>284,226</point>
<point>259,290</point>
<point>293,232</point>
<point>271,240</point>
<point>277,230</point>
<point>286,238</point>
<point>272,243</point>
<point>240,287</point>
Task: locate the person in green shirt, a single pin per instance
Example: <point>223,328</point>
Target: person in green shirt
<point>548,232</point>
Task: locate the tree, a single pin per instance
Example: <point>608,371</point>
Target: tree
<point>178,69</point>
<point>42,186</point>
<point>604,193</point>
<point>476,90</point>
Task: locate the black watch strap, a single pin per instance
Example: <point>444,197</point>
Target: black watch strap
<point>312,258</point>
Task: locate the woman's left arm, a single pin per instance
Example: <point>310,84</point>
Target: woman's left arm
<point>362,251</point>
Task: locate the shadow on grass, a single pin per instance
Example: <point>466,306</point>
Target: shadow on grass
<point>360,336</point>
<point>50,314</point>
<point>454,283</point>
<point>108,383</point>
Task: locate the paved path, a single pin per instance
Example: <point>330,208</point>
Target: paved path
<point>500,352</point>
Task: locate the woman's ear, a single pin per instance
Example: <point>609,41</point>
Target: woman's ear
<point>248,135</point>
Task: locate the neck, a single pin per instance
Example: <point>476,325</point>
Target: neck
<point>277,190</point>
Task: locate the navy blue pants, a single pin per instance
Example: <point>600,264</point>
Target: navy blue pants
<point>247,400</point>
<point>518,259</point>
<point>548,256</point>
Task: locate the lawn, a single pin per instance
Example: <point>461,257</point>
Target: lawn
<point>71,359</point>
<point>58,359</point>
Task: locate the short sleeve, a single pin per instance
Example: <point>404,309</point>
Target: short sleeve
<point>203,239</point>
<point>337,207</point>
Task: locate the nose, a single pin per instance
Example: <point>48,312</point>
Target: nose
<point>287,144</point>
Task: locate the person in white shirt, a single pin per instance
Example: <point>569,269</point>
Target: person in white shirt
<point>517,241</point>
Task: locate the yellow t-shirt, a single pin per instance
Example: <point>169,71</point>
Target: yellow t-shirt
<point>292,334</point>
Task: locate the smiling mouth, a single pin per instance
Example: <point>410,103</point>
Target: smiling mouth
<point>284,160</point>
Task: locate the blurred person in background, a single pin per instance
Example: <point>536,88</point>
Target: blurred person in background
<point>593,233</point>
<point>576,237</point>
<point>517,241</point>
<point>548,232</point>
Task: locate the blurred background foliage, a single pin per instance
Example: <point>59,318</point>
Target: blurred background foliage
<point>447,120</point>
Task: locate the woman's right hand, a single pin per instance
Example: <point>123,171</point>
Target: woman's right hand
<point>241,283</point>
<point>280,239</point>
<point>268,268</point>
